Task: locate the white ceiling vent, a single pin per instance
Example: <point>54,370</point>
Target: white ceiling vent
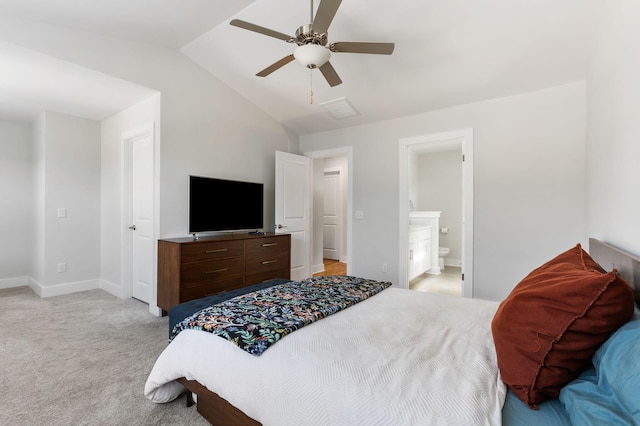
<point>340,108</point>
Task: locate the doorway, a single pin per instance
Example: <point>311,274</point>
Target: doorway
<point>332,207</point>
<point>438,213</point>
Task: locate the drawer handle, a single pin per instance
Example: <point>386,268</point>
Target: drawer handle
<point>266,262</point>
<point>216,271</point>
<point>269,244</point>
<point>216,250</point>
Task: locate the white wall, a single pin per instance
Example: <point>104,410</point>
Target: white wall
<point>529,182</point>
<point>412,174</point>
<point>72,182</point>
<point>614,128</point>
<point>36,269</point>
<point>439,188</point>
<point>16,207</point>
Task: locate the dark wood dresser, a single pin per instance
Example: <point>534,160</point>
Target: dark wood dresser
<point>190,269</point>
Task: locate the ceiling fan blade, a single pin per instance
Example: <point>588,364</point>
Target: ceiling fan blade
<point>362,47</point>
<point>275,66</point>
<point>258,29</point>
<point>326,11</point>
<point>330,74</point>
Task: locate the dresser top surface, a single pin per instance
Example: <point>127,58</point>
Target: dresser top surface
<point>225,237</point>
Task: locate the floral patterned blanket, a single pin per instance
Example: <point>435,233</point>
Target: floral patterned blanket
<point>256,320</point>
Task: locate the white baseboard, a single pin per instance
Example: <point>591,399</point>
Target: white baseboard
<point>112,288</point>
<point>453,262</point>
<point>14,282</point>
<point>315,269</point>
<point>62,289</point>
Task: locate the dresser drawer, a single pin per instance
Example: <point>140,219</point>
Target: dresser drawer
<point>263,262</point>
<point>267,245</point>
<point>208,289</point>
<point>266,276</point>
<point>212,250</point>
<point>211,270</point>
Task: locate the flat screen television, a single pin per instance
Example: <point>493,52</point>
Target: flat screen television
<point>224,205</point>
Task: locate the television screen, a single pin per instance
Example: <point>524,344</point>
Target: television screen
<point>224,205</point>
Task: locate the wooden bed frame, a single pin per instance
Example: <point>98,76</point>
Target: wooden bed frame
<point>218,411</point>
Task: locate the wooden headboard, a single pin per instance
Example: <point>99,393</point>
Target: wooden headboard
<point>610,257</point>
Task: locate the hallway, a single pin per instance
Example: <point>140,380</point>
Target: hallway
<point>332,267</point>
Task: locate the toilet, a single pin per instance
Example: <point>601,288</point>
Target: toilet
<point>442,253</point>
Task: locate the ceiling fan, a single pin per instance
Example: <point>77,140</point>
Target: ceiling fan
<point>312,39</point>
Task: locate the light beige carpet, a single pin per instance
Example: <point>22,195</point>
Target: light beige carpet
<point>81,359</point>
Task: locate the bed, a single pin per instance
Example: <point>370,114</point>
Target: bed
<point>401,357</point>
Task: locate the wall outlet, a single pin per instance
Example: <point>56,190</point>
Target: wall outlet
<point>62,267</point>
<point>384,267</point>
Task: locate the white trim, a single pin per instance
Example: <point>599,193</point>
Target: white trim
<point>466,137</point>
<point>453,262</point>
<point>14,282</point>
<point>341,152</point>
<point>316,269</point>
<point>63,289</point>
<point>112,288</point>
<point>129,136</point>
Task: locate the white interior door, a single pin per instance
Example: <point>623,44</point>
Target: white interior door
<point>332,215</point>
<point>142,192</point>
<point>293,209</point>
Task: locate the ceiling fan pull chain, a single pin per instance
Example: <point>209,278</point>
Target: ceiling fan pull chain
<point>311,85</point>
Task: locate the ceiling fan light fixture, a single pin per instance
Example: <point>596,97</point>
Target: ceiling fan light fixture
<point>312,55</point>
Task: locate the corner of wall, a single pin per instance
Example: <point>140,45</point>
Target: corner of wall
<point>113,289</point>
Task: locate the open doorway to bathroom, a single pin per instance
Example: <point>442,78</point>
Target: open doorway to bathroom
<point>436,186</point>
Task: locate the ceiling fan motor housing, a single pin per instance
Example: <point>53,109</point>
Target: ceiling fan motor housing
<point>306,35</point>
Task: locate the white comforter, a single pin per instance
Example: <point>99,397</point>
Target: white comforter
<point>399,358</point>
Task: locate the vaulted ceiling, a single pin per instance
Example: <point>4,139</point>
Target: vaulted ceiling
<point>447,52</point>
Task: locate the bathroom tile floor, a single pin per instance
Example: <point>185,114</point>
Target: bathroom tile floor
<point>448,282</point>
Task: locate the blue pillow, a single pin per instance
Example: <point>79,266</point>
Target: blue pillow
<point>517,413</point>
<point>609,392</point>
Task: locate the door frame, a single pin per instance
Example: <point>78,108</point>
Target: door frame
<point>128,137</point>
<point>466,137</point>
<point>346,151</point>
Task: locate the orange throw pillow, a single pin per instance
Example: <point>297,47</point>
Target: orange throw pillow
<point>549,327</point>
